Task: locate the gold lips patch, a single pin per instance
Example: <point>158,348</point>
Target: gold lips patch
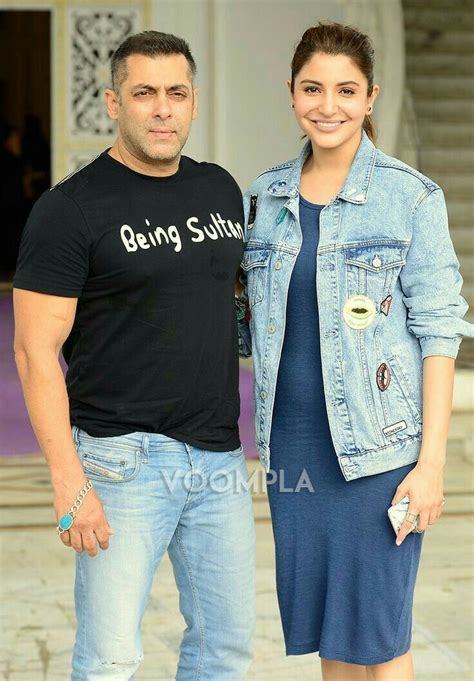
<point>359,312</point>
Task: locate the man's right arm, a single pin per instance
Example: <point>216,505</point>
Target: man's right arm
<point>42,324</point>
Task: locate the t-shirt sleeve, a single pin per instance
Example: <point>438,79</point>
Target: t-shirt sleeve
<point>54,249</point>
<point>227,180</point>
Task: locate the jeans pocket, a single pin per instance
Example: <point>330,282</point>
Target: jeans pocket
<point>237,452</point>
<point>108,461</point>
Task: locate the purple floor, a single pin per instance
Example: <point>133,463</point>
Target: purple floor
<point>16,434</point>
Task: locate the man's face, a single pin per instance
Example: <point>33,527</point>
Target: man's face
<point>155,106</point>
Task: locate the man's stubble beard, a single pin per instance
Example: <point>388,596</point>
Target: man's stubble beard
<point>143,154</point>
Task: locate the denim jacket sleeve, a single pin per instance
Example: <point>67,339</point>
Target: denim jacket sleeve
<point>242,302</point>
<point>431,281</point>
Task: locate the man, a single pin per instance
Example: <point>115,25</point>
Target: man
<point>129,264</point>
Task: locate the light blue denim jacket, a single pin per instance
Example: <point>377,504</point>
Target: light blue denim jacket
<point>384,236</point>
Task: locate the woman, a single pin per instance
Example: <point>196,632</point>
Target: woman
<point>354,320</point>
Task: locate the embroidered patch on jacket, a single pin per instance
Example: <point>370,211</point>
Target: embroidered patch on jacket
<point>281,216</point>
<point>359,312</point>
<point>394,428</point>
<point>385,305</point>
<point>278,187</point>
<point>253,209</point>
<point>383,377</point>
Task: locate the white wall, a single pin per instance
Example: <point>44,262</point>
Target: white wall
<point>243,50</point>
<point>255,41</point>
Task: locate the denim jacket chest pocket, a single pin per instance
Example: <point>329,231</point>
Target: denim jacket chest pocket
<point>255,263</point>
<point>371,268</point>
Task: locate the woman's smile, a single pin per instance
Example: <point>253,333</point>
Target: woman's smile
<point>328,126</point>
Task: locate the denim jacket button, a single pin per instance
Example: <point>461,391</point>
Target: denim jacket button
<point>278,265</point>
<point>263,395</point>
<point>272,328</point>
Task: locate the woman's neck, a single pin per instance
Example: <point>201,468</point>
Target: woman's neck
<point>335,161</point>
<point>325,171</point>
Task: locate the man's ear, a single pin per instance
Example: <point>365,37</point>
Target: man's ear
<point>112,103</point>
<point>195,103</point>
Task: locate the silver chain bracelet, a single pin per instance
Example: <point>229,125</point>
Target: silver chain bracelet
<point>66,521</point>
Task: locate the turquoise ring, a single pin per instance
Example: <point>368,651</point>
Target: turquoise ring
<point>65,522</point>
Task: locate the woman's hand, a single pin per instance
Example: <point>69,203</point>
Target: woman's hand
<point>424,487</point>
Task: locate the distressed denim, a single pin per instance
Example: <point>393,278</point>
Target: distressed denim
<point>384,237</point>
<point>163,495</point>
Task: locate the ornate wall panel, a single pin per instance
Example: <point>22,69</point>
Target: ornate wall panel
<point>93,35</point>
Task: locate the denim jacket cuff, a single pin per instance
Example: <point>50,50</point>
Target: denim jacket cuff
<point>435,345</point>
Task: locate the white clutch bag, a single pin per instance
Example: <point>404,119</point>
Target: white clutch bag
<point>398,513</point>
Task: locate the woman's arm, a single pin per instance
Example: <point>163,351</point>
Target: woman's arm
<point>438,381</point>
<point>424,484</point>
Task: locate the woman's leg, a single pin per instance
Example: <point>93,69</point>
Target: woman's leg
<point>398,669</point>
<point>341,671</point>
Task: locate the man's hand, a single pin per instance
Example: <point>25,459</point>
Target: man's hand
<point>90,524</point>
<point>238,284</point>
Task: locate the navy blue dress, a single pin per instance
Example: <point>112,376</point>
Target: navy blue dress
<point>344,588</point>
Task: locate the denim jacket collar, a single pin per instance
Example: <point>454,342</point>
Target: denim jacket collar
<point>356,186</point>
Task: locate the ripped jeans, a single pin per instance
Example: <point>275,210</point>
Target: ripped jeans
<point>163,495</point>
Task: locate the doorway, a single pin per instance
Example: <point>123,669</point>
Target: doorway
<point>25,123</point>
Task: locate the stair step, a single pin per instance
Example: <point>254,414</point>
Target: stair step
<point>460,224</point>
<point>440,64</point>
<point>462,439</point>
<point>460,424</point>
<point>467,292</point>
<point>445,160</point>
<point>463,239</point>
<point>431,41</point>
<point>445,17</point>
<point>440,4</point>
<point>28,516</point>
<point>455,185</point>
<point>461,214</point>
<point>465,358</point>
<point>446,110</point>
<point>466,261</point>
<point>434,133</point>
<point>442,87</point>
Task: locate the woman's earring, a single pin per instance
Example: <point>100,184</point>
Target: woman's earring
<point>292,106</point>
<point>370,109</point>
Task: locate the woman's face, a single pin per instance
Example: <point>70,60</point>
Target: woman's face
<point>330,99</point>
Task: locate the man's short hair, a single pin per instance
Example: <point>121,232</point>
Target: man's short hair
<point>149,44</point>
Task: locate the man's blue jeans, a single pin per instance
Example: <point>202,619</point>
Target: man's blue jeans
<point>160,494</point>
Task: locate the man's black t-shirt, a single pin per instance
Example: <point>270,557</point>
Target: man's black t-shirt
<point>152,262</point>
